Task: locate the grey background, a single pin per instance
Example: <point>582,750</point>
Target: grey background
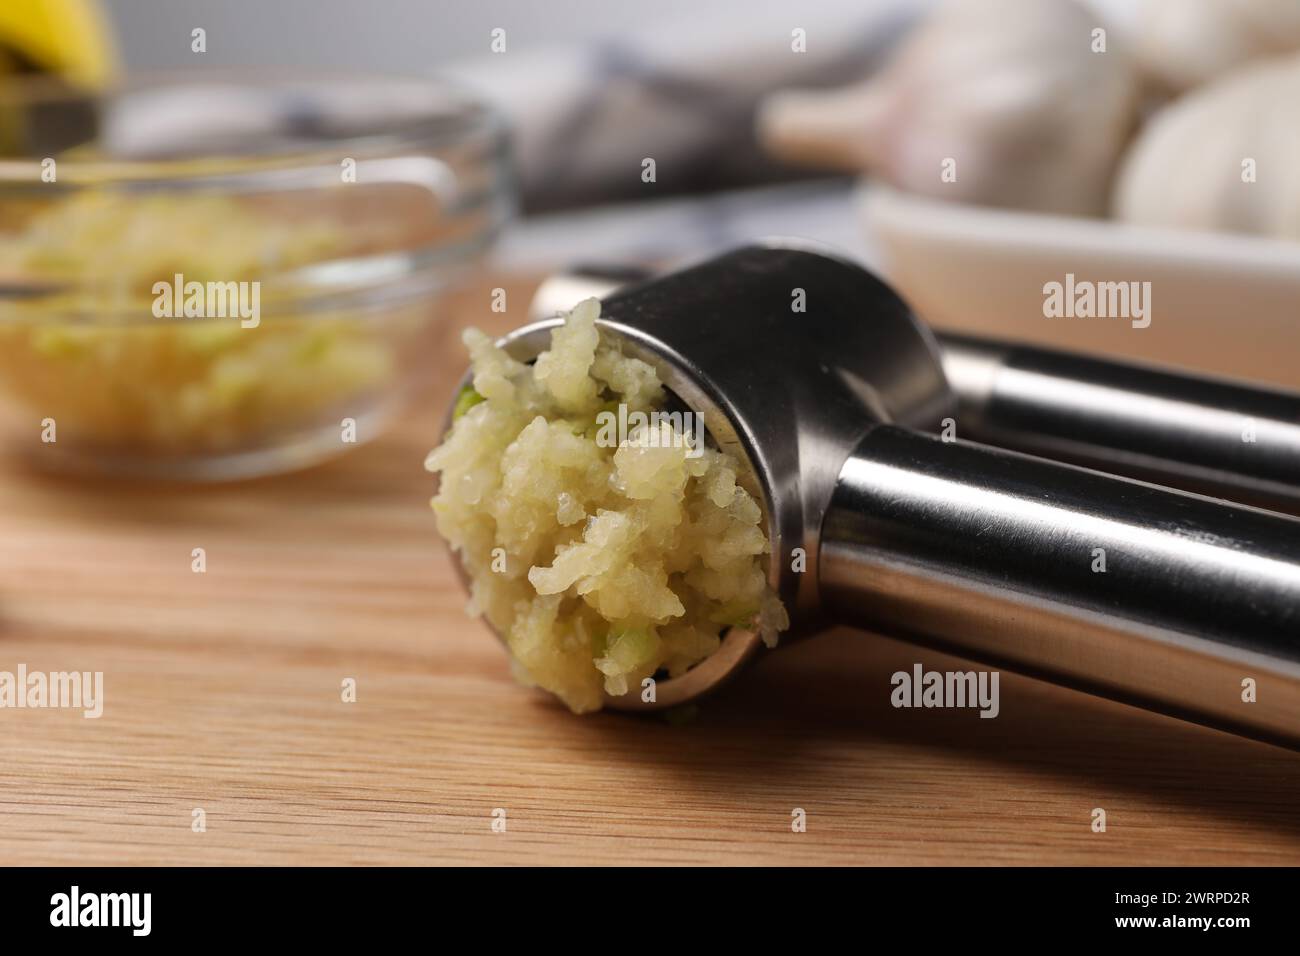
<point>396,35</point>
<point>418,35</point>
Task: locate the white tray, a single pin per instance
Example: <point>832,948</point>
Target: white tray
<point>1223,304</point>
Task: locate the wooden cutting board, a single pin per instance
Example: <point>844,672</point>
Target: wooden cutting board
<point>223,694</point>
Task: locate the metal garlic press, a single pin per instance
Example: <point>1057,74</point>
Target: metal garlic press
<point>837,413</point>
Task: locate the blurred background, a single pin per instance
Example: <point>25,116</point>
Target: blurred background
<point>592,86</point>
<point>588,85</point>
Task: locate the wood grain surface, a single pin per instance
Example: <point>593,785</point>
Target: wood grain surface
<point>222,693</point>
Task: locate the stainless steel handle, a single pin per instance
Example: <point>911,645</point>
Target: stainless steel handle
<point>1221,438</point>
<point>995,555</point>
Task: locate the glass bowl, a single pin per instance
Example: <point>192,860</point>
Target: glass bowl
<point>218,276</point>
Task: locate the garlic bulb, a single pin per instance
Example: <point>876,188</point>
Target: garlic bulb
<point>1225,157</point>
<point>999,102</point>
<point>1184,43</point>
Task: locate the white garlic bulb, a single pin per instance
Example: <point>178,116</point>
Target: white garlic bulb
<point>1015,103</point>
<point>1184,43</point>
<point>1224,157</point>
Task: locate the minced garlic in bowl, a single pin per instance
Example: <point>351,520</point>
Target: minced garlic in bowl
<point>221,275</point>
<point>602,538</point>
<point>93,357</point>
